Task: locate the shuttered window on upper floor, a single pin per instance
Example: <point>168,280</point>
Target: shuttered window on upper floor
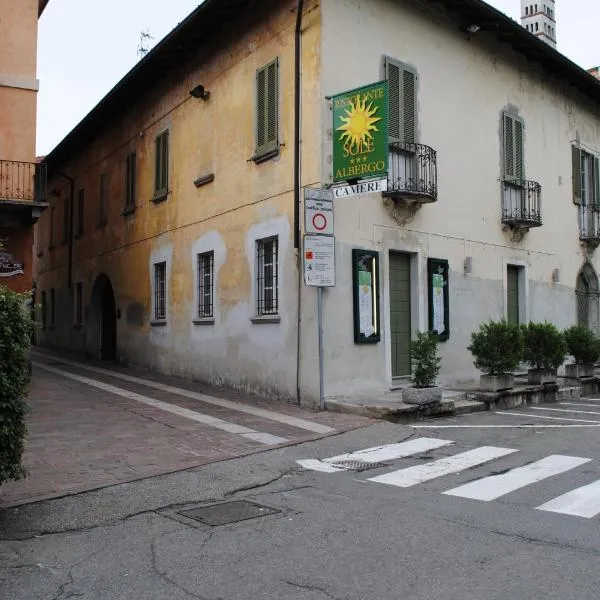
<point>402,94</point>
<point>586,178</point>
<point>161,168</point>
<point>513,150</point>
<point>267,110</point>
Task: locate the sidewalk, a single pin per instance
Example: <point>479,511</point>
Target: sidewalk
<point>93,425</point>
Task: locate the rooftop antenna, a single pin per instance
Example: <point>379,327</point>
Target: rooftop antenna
<point>143,47</point>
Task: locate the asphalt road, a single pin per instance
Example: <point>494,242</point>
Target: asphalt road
<point>338,534</point>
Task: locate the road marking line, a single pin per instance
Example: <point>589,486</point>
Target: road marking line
<point>494,486</point>
<point>374,455</point>
<point>391,451</point>
<point>581,502</point>
<point>257,436</point>
<point>513,414</point>
<point>252,410</point>
<point>578,404</point>
<point>567,410</point>
<point>526,426</point>
<point>444,466</point>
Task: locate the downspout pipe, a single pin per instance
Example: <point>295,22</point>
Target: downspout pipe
<point>70,231</point>
<point>297,178</point>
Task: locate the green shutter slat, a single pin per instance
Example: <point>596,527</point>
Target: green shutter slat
<point>576,157</point>
<point>165,157</point>
<point>393,71</point>
<point>519,150</point>
<point>261,108</point>
<point>509,147</point>
<point>272,98</point>
<point>409,102</point>
<point>596,182</point>
<point>157,164</point>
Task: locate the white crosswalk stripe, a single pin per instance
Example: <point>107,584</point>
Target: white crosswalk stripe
<point>444,466</point>
<point>495,486</point>
<point>566,410</point>
<point>581,502</point>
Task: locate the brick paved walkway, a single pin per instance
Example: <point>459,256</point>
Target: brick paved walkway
<point>89,429</point>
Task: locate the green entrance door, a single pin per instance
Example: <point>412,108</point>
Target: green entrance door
<point>512,289</point>
<point>400,328</point>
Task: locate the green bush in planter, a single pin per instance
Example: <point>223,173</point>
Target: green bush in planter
<point>497,347</point>
<point>544,346</point>
<point>582,344</point>
<point>15,335</point>
<point>425,359</point>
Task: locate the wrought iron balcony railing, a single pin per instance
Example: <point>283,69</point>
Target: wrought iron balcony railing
<point>589,224</point>
<point>23,181</point>
<point>521,203</point>
<point>412,172</point>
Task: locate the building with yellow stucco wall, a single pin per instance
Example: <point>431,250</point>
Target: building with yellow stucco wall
<point>174,233</point>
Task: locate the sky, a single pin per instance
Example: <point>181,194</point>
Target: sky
<point>85,47</point>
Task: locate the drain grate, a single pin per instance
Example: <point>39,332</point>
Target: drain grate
<point>357,465</point>
<point>229,512</point>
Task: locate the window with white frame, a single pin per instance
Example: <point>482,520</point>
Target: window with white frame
<point>205,284</point>
<point>160,291</point>
<point>267,281</point>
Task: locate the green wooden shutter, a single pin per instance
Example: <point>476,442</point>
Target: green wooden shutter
<point>519,150</point>
<point>409,105</point>
<point>165,161</point>
<point>267,107</point>
<point>402,101</point>
<point>508,146</point>
<point>576,157</point>
<point>596,182</point>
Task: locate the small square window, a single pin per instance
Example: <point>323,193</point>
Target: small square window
<point>267,283</point>
<point>160,291</point>
<point>205,285</point>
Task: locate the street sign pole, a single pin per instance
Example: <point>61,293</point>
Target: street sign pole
<point>321,357</point>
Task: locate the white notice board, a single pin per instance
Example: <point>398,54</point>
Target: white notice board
<point>319,260</point>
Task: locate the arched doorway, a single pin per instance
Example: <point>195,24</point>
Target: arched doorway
<point>588,293</point>
<point>103,319</point>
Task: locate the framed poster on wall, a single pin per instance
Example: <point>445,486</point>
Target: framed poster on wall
<point>365,291</point>
<point>438,294</point>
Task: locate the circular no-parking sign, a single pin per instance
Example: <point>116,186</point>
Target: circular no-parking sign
<point>319,221</point>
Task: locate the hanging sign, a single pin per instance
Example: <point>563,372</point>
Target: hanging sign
<point>9,267</point>
<point>360,133</point>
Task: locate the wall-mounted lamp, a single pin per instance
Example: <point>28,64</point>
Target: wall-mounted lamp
<point>555,276</point>
<point>468,265</point>
<point>472,28</point>
<point>200,92</point>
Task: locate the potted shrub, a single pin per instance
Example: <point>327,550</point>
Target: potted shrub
<point>544,350</point>
<point>497,348</point>
<point>426,368</point>
<point>584,347</point>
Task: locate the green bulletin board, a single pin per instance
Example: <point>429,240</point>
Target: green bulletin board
<point>365,286</point>
<point>438,297</point>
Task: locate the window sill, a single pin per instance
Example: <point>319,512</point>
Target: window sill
<point>158,323</point>
<point>264,156</point>
<point>128,211</point>
<point>204,180</point>
<point>261,319</point>
<point>204,321</point>
<point>160,196</point>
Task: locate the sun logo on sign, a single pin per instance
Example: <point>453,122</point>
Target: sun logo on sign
<point>360,122</point>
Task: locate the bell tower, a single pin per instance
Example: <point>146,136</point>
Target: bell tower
<point>539,18</point>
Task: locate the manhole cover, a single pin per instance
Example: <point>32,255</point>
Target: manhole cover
<point>228,512</point>
<point>357,465</point>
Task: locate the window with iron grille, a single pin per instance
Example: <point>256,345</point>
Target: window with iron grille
<point>130,177</point>
<point>66,220</point>
<point>52,308</point>
<point>267,296</point>
<point>44,310</point>
<point>267,109</point>
<point>78,303</point>
<point>80,213</point>
<point>161,168</point>
<point>205,284</point>
<point>160,291</point>
<point>103,208</point>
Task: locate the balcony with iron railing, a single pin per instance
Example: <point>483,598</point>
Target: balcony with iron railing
<point>22,181</point>
<point>412,173</point>
<point>589,224</point>
<point>521,203</point>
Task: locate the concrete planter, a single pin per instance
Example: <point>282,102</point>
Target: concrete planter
<point>422,396</point>
<point>577,371</point>
<point>495,383</point>
<point>541,376</point>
